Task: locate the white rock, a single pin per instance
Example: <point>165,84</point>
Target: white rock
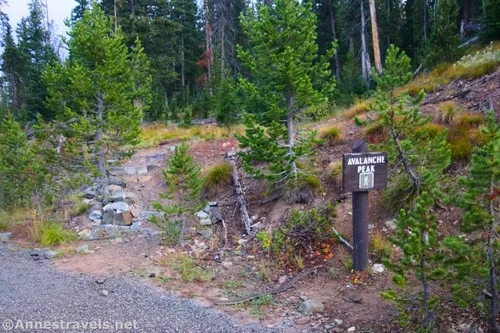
<point>206,221</point>
<point>117,206</point>
<point>5,236</point>
<point>84,249</point>
<point>338,321</point>
<point>351,329</point>
<point>391,224</point>
<point>226,264</point>
<point>104,292</point>
<point>378,268</point>
<point>202,215</point>
<point>95,216</point>
<point>241,241</point>
<point>282,279</point>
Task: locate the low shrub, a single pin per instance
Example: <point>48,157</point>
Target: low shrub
<point>50,233</point>
<point>331,134</point>
<point>303,189</point>
<point>333,174</point>
<point>302,231</point>
<point>216,178</point>
<point>399,194</point>
<point>460,144</point>
<point>171,229</point>
<point>5,221</point>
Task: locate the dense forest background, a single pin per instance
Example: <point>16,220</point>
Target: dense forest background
<point>192,48</point>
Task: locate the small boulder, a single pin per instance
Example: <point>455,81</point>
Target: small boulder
<point>311,306</point>
<point>5,236</point>
<point>104,292</point>
<point>351,329</point>
<point>202,215</point>
<point>49,254</point>
<point>114,180</point>
<point>206,221</point>
<point>391,224</point>
<point>108,217</point>
<point>206,233</point>
<point>84,249</point>
<point>90,192</point>
<point>378,268</point>
<point>123,218</point>
<point>135,210</point>
<point>117,206</point>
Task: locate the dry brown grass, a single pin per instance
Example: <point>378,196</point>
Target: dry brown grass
<point>333,174</point>
<point>332,134</point>
<point>153,134</point>
<point>448,111</point>
<point>358,108</point>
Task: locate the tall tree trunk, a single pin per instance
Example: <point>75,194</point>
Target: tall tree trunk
<point>115,13</point>
<point>208,41</point>
<point>425,20</point>
<point>183,75</point>
<point>222,49</point>
<point>428,317</point>
<point>16,105</point>
<point>365,57</point>
<point>331,14</point>
<point>376,49</point>
<point>492,322</point>
<point>101,158</point>
<point>290,134</point>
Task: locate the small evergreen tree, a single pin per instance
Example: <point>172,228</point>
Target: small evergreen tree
<point>182,177</point>
<point>445,38</point>
<point>286,75</point>
<point>478,261</point>
<point>400,116</point>
<point>19,171</point>
<point>101,92</point>
<point>491,18</point>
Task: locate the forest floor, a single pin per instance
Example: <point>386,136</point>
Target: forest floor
<point>350,299</point>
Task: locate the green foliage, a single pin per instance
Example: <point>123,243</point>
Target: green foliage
<point>217,177</point>
<point>101,92</point>
<point>302,231</point>
<point>286,76</point>
<point>189,270</point>
<point>380,247</point>
<point>491,18</point>
<point>184,184</point>
<point>444,40</point>
<point>475,263</point>
<point>226,107</point>
<point>417,237</point>
<point>53,233</point>
<point>20,173</point>
<point>5,222</point>
<point>400,116</point>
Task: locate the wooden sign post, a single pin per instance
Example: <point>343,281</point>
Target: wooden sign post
<point>362,171</point>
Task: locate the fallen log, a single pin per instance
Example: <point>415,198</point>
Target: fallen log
<point>240,198</point>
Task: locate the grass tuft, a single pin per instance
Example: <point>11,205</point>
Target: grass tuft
<point>448,111</point>
<point>53,233</point>
<point>460,143</point>
<point>469,120</point>
<point>189,271</point>
<point>331,134</point>
<point>429,130</point>
<point>217,177</point>
<point>334,174</point>
<point>380,247</point>
<point>303,189</point>
<point>357,109</point>
<point>5,221</point>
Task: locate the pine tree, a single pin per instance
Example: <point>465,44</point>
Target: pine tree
<point>11,69</point>
<point>491,18</point>
<point>400,116</point>
<point>445,38</point>
<point>479,202</point>
<point>182,176</point>
<point>18,172</point>
<point>416,235</point>
<point>101,92</point>
<point>36,53</point>
<point>79,10</point>
<point>286,74</point>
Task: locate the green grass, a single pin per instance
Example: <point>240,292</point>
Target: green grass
<point>217,177</point>
<point>429,130</point>
<point>5,221</point>
<point>53,233</point>
<point>189,271</point>
<point>469,119</point>
<point>233,284</point>
<point>357,109</point>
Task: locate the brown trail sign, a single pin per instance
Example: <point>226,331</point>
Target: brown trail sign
<point>362,171</point>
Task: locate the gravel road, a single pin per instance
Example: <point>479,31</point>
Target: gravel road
<point>33,291</point>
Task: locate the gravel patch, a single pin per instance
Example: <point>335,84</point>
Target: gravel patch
<point>31,290</point>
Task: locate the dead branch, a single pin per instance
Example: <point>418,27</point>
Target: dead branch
<point>341,239</point>
<point>240,198</point>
